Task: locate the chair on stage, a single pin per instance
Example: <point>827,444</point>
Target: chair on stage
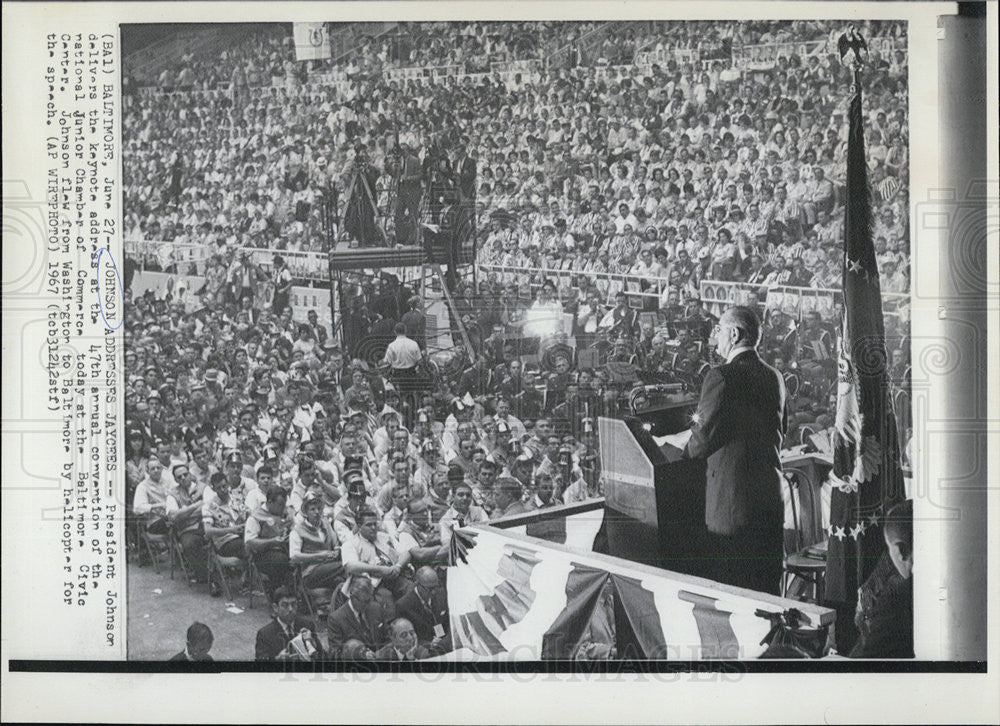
<point>805,546</point>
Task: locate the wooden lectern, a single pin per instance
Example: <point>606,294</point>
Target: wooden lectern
<point>654,507</point>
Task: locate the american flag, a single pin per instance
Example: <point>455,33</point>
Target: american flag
<point>866,470</point>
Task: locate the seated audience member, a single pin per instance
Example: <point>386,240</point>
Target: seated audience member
<point>355,650</point>
<point>313,545</point>
<point>275,640</point>
<point>223,518</point>
<point>183,509</point>
<point>461,513</point>
<point>439,497</point>
<point>542,491</point>
<point>426,606</point>
<point>400,479</point>
<point>482,490</point>
<point>199,642</point>
<point>403,644</point>
<point>417,534</point>
<point>310,481</point>
<point>885,601</point>
<point>508,498</point>
<point>150,502</point>
<point>371,552</point>
<point>266,537</point>
<point>393,517</point>
<point>346,511</point>
<point>360,619</point>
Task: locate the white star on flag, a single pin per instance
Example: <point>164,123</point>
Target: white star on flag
<point>856,530</point>
<point>839,533</point>
<point>873,518</point>
<point>855,266</point>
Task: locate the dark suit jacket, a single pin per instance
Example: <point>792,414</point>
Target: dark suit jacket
<point>343,625</point>
<point>272,639</point>
<point>183,656</point>
<point>466,181</point>
<point>387,652</point>
<point>741,419</point>
<point>412,608</point>
<point>884,614</point>
<point>475,382</point>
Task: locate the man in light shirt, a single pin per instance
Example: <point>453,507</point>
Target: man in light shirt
<point>461,513</point>
<point>372,552</point>
<point>403,354</point>
<point>150,500</point>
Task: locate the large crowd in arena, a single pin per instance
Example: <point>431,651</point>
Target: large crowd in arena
<point>625,181</point>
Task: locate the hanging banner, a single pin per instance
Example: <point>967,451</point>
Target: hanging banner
<point>312,41</point>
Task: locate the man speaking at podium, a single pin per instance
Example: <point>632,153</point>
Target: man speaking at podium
<point>738,429</point>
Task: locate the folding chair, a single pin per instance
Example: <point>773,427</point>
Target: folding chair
<point>217,566</point>
<point>133,539</point>
<point>156,546</point>
<point>317,600</point>
<point>255,580</point>
<point>177,553</point>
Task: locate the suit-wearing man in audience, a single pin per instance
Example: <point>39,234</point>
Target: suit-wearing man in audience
<point>426,607</point>
<point>403,644</point>
<point>360,618</point>
<point>274,639</point>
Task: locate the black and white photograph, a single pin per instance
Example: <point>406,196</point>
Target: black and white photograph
<point>635,354</point>
<point>635,289</point>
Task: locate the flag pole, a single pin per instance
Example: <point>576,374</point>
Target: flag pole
<point>866,475</point>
